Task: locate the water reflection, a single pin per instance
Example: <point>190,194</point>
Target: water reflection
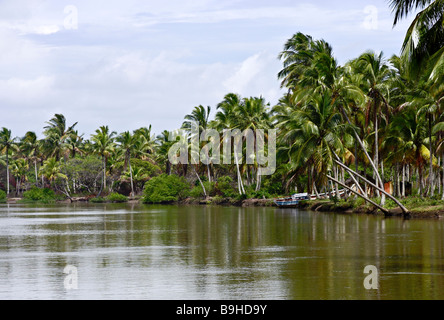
<point>171,252</point>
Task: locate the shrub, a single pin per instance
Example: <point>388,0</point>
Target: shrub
<point>2,196</point>
<point>117,197</point>
<point>97,200</point>
<point>197,191</point>
<point>225,187</point>
<point>40,195</point>
<point>165,188</point>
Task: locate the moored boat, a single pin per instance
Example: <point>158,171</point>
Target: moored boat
<point>293,201</point>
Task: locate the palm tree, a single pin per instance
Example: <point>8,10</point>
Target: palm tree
<point>225,119</point>
<point>74,143</point>
<point>126,141</point>
<point>56,133</point>
<point>7,143</point>
<point>253,114</point>
<point>162,149</point>
<point>51,170</point>
<point>103,145</point>
<point>200,117</point>
<point>145,142</point>
<point>423,45</point>
<point>375,74</point>
<point>409,128</point>
<point>30,147</point>
<point>19,170</point>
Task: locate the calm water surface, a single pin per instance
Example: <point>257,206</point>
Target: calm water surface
<point>172,252</point>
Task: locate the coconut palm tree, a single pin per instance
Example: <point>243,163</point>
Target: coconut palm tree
<point>375,73</point>
<point>127,141</point>
<point>200,116</point>
<point>19,169</point>
<point>52,170</point>
<point>56,133</point>
<point>30,146</point>
<point>102,145</point>
<point>7,144</point>
<point>74,143</point>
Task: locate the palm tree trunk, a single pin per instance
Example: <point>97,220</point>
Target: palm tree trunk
<point>404,209</point>
<point>36,175</point>
<point>361,144</point>
<point>258,178</point>
<point>200,181</point>
<point>403,180</point>
<point>335,169</point>
<point>432,191</point>
<point>239,177</point>
<point>360,195</point>
<point>104,173</point>
<point>131,178</point>
<point>7,170</point>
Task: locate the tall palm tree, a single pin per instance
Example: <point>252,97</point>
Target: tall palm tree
<point>375,73</point>
<point>162,149</point>
<point>127,141</point>
<point>30,146</point>
<point>7,143</point>
<point>103,145</point>
<point>200,116</point>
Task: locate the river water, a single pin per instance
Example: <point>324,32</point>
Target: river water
<point>113,251</point>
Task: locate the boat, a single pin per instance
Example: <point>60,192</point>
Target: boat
<point>293,201</point>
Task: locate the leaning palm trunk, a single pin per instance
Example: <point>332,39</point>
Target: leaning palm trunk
<point>200,181</point>
<point>360,195</point>
<point>375,170</point>
<point>404,209</point>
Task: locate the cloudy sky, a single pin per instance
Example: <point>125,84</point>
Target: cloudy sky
<point>132,63</point>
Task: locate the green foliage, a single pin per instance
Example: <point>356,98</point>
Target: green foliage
<point>2,196</point>
<point>225,186</point>
<point>40,195</point>
<point>165,188</point>
<point>98,200</point>
<point>198,192</point>
<point>117,197</point>
<point>148,168</point>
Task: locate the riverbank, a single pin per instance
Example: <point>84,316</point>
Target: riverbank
<point>421,210</point>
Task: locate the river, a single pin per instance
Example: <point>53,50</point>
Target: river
<point>141,252</point>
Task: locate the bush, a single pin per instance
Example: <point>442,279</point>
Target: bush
<point>40,195</point>
<point>2,196</point>
<point>117,197</point>
<point>165,188</point>
<point>225,187</point>
<point>97,200</point>
<point>197,191</point>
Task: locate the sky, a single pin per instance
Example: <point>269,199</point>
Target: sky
<point>131,64</point>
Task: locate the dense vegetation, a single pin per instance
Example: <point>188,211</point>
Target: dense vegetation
<point>380,116</point>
